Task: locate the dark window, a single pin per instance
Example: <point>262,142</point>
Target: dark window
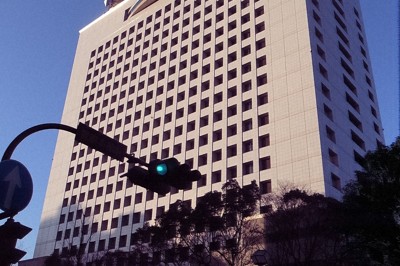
<point>231,172</point>
<point>265,187</point>
<point>265,163</point>
<point>247,168</point>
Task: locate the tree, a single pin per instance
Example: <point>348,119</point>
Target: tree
<point>304,229</point>
<point>241,234</point>
<point>364,229</point>
<point>220,228</point>
<point>372,203</point>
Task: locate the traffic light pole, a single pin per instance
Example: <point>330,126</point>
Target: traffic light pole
<point>160,174</point>
<point>11,147</point>
<point>82,133</point>
<point>10,231</point>
<point>159,177</point>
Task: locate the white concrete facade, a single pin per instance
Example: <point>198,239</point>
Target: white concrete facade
<point>277,91</point>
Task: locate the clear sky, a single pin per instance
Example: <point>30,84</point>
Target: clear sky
<point>37,46</point>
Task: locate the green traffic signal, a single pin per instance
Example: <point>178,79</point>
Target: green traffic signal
<point>162,169</point>
<point>143,178</point>
<point>162,174</point>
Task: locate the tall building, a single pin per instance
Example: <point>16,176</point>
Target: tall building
<point>277,91</point>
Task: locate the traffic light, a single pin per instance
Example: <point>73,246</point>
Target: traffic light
<point>171,172</point>
<point>142,177</point>
<point>162,174</point>
<point>9,233</point>
<point>100,142</point>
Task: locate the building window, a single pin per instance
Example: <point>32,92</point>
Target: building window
<point>160,211</point>
<point>216,155</point>
<point>136,218</point>
<point>353,119</point>
<point>247,168</point>
<point>260,27</point>
<point>246,34</point>
<point>122,241</point>
<point>347,68</point>
<point>117,204</point>
<point>204,121</point>
<point>232,130</point>
<point>232,110</point>
<point>333,157</point>
<point>352,102</point>
<point>203,140</point>
<point>202,160</point>
<point>107,206</point>
<point>265,163</point>
<point>216,177</point>
<point>104,225</point>
<point>202,182</point>
<point>260,44</point>
<point>328,112</point>
<point>231,151</point>
<point>246,68</point>
<point>191,126</point>
<point>218,116</point>
<point>147,215</point>
<point>190,145</point>
<point>357,140</point>
<point>138,197</point>
<point>114,222</point>
<point>127,201</point>
<point>177,149</point>
<point>231,172</point>
<point>262,80</point>
<point>330,134</point>
<point>149,195</point>
<point>247,146</point>
<point>336,182</point>
<point>247,125</point>
<point>263,119</point>
<point>265,187</point>
<point>232,92</point>
<point>264,141</point>
<point>246,105</point>
<point>319,35</point>
<point>217,135</point>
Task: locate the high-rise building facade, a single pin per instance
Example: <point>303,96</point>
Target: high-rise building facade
<point>277,91</point>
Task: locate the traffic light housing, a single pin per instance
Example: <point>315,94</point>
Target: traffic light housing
<point>142,177</point>
<point>162,174</point>
<point>174,174</point>
<point>10,231</point>
<point>100,142</point>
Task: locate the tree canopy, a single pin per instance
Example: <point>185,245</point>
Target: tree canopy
<point>372,204</point>
<point>364,229</point>
<point>218,229</point>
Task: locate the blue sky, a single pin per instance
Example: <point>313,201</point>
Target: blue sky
<point>37,47</point>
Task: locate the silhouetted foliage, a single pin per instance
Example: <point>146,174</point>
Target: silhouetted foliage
<point>372,203</point>
<point>304,229</point>
<point>218,229</point>
<point>364,229</point>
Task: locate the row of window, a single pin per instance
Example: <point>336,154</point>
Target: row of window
<point>346,62</point>
<point>115,71</point>
<point>122,69</point>
<point>174,29</point>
